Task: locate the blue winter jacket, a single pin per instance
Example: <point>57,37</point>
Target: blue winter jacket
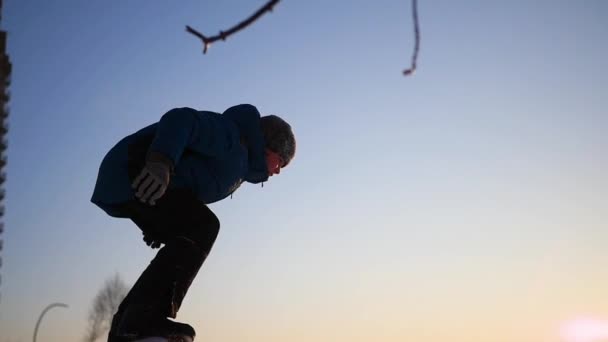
<point>212,154</point>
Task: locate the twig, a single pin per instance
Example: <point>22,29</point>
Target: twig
<point>225,34</point>
<point>412,68</point>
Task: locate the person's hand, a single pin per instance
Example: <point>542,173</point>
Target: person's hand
<point>153,181</point>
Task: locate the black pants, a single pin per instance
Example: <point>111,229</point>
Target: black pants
<point>186,227</point>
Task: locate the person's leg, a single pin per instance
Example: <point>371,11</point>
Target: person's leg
<point>188,229</point>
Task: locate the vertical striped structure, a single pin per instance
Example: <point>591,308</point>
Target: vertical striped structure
<point>5,80</point>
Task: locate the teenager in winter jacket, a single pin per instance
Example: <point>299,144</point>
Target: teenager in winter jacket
<point>162,177</point>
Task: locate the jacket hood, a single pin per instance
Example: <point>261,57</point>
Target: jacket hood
<point>247,119</point>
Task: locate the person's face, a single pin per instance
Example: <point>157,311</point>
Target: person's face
<point>274,163</point>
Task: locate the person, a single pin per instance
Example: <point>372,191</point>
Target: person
<point>162,177</point>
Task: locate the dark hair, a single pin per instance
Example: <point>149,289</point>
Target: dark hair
<point>279,137</point>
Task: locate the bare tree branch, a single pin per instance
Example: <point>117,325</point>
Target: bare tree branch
<point>224,34</point>
<point>417,36</point>
<point>104,306</point>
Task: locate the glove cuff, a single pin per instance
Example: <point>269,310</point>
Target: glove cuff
<point>157,157</point>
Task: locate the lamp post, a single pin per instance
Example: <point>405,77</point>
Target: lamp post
<point>44,312</point>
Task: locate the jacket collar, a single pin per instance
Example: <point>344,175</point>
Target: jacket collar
<point>247,119</point>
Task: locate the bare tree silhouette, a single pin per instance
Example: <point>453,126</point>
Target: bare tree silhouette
<point>268,7</point>
<point>412,68</point>
<point>104,305</point>
<point>224,34</point>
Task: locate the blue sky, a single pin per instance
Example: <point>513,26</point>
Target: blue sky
<point>474,189</point>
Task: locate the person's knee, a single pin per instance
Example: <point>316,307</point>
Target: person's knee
<point>210,231</point>
<point>214,226</point>
<point>205,232</point>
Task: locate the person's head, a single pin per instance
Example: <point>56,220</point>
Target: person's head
<point>280,143</point>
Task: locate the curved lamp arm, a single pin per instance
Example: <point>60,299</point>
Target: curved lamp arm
<point>43,313</point>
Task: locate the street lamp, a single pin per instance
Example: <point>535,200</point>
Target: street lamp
<point>44,312</point>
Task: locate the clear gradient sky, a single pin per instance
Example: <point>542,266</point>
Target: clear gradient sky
<point>466,203</point>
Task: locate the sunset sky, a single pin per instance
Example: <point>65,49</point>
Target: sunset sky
<point>465,203</point>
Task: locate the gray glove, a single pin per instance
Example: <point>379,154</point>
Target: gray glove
<point>154,178</point>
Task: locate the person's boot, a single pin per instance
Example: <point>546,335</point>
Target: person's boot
<point>138,323</point>
<point>158,294</point>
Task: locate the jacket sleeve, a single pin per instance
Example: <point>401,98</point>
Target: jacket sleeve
<point>202,132</point>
